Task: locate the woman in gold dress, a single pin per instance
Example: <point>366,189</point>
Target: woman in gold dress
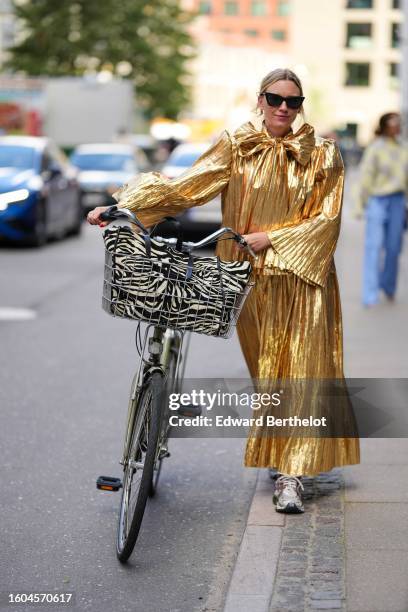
<point>283,191</point>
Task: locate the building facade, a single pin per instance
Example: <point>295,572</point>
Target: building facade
<point>238,42</point>
<point>350,51</point>
<point>259,23</point>
<point>345,51</point>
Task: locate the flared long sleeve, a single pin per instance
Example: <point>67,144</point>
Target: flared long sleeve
<point>153,196</point>
<point>306,248</point>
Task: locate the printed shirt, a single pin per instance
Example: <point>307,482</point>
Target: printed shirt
<point>383,170</point>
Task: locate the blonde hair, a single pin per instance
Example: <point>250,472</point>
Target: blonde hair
<point>282,74</point>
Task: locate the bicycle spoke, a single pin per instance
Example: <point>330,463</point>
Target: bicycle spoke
<point>139,465</point>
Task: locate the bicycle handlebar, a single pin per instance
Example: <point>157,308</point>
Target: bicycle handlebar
<point>113,212</point>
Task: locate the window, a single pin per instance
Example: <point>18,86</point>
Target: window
<point>251,32</point>
<point>104,162</point>
<point>283,8</point>
<point>394,79</point>
<point>396,4</point>
<point>395,39</point>
<point>231,7</point>
<point>357,75</point>
<point>204,8</point>
<point>278,34</point>
<point>358,35</point>
<point>258,8</point>
<point>17,156</point>
<point>394,67</point>
<point>349,131</point>
<point>359,4</point>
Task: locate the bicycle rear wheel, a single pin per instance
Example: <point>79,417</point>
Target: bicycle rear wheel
<point>138,471</point>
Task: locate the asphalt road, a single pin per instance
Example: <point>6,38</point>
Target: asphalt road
<point>64,380</point>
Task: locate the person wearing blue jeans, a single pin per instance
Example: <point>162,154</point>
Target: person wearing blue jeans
<point>382,191</point>
<point>385,216</point>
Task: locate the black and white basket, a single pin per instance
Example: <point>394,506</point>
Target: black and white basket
<point>165,287</point>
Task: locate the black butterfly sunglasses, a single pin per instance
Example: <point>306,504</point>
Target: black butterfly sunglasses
<point>276,100</point>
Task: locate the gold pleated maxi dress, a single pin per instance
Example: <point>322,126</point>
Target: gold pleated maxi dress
<point>290,326</point>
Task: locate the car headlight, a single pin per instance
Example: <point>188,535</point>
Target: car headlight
<point>10,197</point>
<point>35,183</point>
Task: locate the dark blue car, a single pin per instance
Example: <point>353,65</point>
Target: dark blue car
<point>39,193</point>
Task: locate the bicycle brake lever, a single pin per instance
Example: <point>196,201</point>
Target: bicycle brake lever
<point>108,215</point>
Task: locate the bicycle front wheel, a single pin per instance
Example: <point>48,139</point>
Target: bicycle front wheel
<point>138,471</point>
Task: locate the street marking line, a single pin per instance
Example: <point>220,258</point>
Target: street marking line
<point>17,314</point>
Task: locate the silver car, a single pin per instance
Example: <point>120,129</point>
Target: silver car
<point>199,219</point>
<point>102,169</point>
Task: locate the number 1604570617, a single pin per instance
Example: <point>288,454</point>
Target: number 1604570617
<point>33,598</point>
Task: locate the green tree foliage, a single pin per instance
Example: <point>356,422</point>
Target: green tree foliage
<point>144,40</point>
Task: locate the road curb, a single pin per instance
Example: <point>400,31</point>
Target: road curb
<point>253,577</point>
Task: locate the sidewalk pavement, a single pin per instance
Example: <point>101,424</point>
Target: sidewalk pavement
<point>349,550</point>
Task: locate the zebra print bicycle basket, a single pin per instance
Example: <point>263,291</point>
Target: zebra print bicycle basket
<point>169,288</point>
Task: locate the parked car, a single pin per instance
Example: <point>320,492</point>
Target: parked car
<point>39,193</point>
<point>102,169</point>
<point>199,220</point>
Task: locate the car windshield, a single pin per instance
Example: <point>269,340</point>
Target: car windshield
<point>16,156</point>
<point>105,162</point>
<point>183,158</point>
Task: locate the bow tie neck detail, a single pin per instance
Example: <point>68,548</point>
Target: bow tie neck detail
<point>299,144</point>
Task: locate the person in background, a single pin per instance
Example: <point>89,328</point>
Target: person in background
<point>381,193</point>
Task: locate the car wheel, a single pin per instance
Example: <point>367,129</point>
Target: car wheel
<point>40,228</point>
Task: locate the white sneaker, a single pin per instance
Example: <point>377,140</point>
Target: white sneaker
<point>287,495</point>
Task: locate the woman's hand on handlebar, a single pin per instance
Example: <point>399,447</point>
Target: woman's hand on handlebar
<point>258,241</point>
<point>94,216</point>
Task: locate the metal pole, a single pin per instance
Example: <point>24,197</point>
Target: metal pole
<point>403,68</point>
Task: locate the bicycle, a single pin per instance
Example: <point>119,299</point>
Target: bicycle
<point>160,372</point>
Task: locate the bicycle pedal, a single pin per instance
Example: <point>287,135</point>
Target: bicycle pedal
<point>164,453</point>
<point>191,410</point>
<point>107,483</point>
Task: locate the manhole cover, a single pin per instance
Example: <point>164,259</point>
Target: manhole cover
<point>17,314</point>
